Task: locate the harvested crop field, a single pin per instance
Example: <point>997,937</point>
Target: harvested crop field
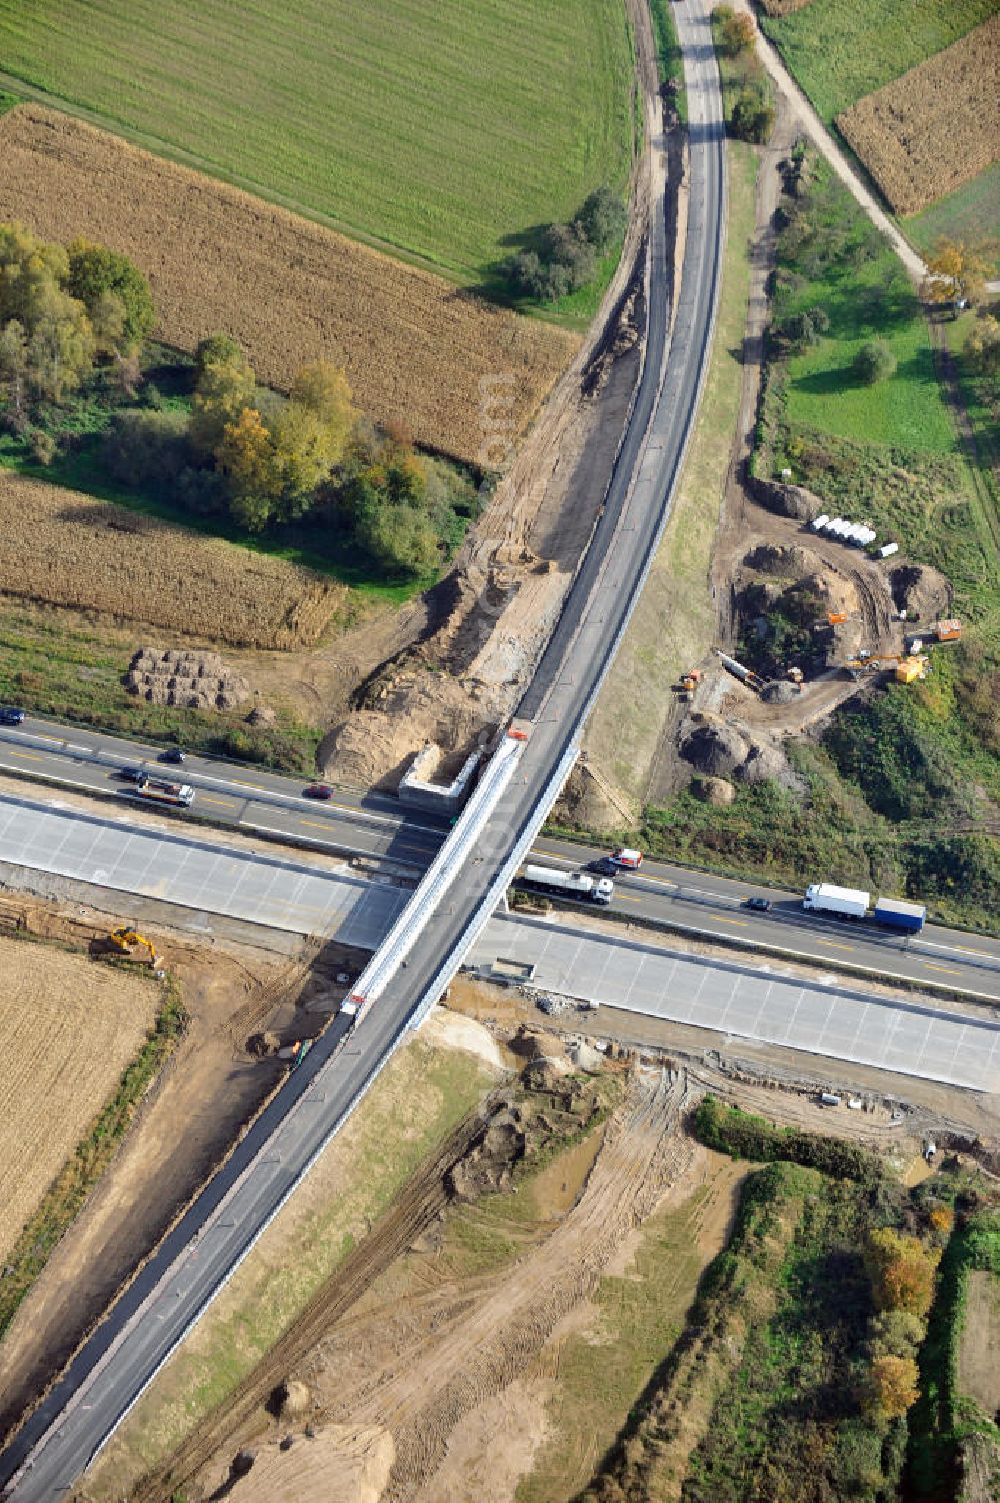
<point>416,349</point>
<point>69,1027</point>
<point>935,128</point>
<point>64,548</point>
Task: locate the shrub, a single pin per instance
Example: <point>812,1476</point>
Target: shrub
<point>737,32</point>
<point>43,447</point>
<point>729,1130</point>
<point>147,448</point>
<point>603,218</point>
<point>752,116</point>
<point>874,362</point>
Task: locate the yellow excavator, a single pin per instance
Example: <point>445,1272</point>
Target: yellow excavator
<point>123,942</point>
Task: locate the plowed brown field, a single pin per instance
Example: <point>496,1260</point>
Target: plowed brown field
<point>415,349</point>
<point>937,127</point>
<point>64,548</point>
<point>69,1027</point>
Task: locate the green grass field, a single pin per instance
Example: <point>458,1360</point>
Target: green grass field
<point>841,50</point>
<point>971,213</point>
<point>441,128</point>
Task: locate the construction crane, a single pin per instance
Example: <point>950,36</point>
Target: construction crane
<point>124,940</point>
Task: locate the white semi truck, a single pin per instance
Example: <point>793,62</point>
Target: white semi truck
<point>568,884</point>
<point>826,897</point>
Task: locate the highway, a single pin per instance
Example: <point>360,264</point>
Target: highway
<point>376,827</point>
<point>458,895</point>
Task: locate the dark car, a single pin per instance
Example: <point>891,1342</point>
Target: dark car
<point>317,790</point>
<point>758,905</point>
<point>606,866</point>
<point>132,774</point>
<point>11,716</point>
<point>172,754</point>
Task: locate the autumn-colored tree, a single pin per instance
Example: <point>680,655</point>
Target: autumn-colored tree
<point>955,271</point>
<point>901,1270</point>
<point>30,270</point>
<point>982,345</point>
<point>896,1333</point>
<point>323,390</point>
<point>893,1386</point>
<point>245,456</point>
<point>223,389</point>
<point>61,346</point>
<point>736,29</point>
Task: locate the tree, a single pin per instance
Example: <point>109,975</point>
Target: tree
<point>401,538</point>
<point>874,362</point>
<point>30,271</point>
<point>107,318</point>
<point>217,349</point>
<point>737,32</point>
<point>603,218</point>
<point>322,389</point>
<point>955,271</point>
<point>982,346</point>
<point>223,389</point>
<point>896,1333</point>
<point>96,271</point>
<point>245,457</point>
<point>901,1270</point>
<point>303,452</point>
<point>800,330</point>
<point>61,347</point>
<point>752,117</point>
<point>14,368</point>
<point>893,1386</point>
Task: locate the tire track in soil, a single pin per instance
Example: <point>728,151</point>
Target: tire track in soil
<point>419,1205</point>
<point>422,1401</point>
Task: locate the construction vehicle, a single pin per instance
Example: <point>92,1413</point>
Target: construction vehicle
<point>688,683</point>
<point>740,671</point>
<point>122,943</point>
<point>795,676</point>
<point>947,631</point>
<point>907,668</point>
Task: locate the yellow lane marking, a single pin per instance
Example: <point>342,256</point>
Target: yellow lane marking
<point>834,945</point>
<point>208,798</point>
<point>316,824</point>
<point>948,970</point>
<point>740,923</point>
<point>625,897</point>
<point>28,756</point>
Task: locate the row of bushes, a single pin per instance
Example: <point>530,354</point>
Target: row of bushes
<point>727,1129</point>
<point>564,257</point>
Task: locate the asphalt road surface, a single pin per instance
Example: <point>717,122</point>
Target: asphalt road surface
<point>837,1021</point>
<point>270,887</point>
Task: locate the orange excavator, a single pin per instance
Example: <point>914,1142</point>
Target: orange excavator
<point>123,942</point>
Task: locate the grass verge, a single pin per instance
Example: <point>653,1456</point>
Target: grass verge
<point>669,60</point>
<point>68,1192</point>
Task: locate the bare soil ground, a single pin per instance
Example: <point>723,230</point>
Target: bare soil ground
<point>209,1088</point>
<point>69,1028</point>
<point>415,348</point>
<point>927,133</point>
<point>979,1349</point>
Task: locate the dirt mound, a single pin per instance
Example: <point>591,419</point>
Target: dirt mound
<point>489,1163</point>
<point>292,1399</point>
<point>787,560</point>
<point>786,500</point>
<point>715,748</point>
<point>196,680</point>
<point>732,752</point>
<point>716,791</point>
<point>337,1464</point>
<point>373,746</point>
<point>779,692</point>
<point>261,1045</point>
<point>922,592</point>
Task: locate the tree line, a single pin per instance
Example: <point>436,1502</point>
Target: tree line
<point>78,316</point>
